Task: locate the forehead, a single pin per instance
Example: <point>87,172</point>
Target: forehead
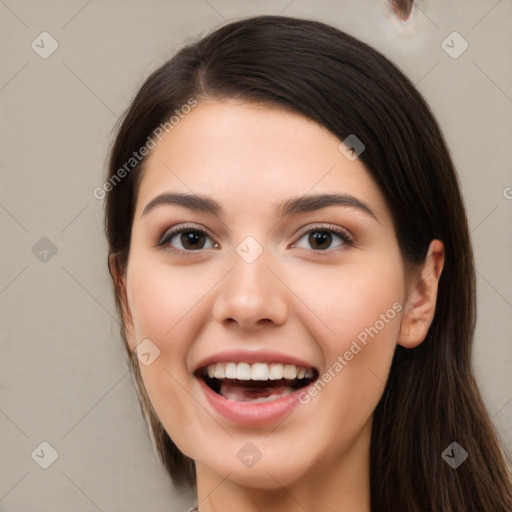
<point>252,155</point>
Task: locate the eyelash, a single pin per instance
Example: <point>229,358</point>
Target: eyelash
<point>172,232</point>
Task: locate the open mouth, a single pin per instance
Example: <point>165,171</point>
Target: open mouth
<point>255,382</point>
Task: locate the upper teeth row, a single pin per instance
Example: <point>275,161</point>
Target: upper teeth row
<point>257,371</point>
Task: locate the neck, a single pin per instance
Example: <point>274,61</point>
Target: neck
<point>342,484</point>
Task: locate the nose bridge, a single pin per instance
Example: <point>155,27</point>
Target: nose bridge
<point>251,294</point>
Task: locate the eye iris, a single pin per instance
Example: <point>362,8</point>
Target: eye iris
<point>192,239</point>
<point>320,238</point>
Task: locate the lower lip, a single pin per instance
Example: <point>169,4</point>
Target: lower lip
<point>251,413</point>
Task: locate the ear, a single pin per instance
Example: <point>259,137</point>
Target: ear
<point>422,298</point>
<point>118,273</point>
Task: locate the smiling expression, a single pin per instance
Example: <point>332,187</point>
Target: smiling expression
<point>258,254</point>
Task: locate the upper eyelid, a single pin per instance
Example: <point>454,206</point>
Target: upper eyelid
<point>324,227</point>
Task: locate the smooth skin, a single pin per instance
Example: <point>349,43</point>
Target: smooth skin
<point>297,297</point>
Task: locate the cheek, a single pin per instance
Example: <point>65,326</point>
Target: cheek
<point>164,306</point>
<point>349,301</point>
<point>158,309</point>
<point>159,299</point>
<point>369,308</point>
<point>360,308</point>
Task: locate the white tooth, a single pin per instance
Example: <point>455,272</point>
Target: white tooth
<point>276,371</point>
<point>290,371</point>
<point>231,371</point>
<point>259,371</point>
<point>309,374</point>
<point>211,371</point>
<point>219,371</point>
<point>301,373</point>
<point>243,371</point>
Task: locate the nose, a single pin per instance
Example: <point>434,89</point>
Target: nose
<point>251,295</point>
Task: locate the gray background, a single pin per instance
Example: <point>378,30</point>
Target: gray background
<point>63,371</point>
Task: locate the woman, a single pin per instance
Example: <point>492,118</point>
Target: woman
<point>292,264</point>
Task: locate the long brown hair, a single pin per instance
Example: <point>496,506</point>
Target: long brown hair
<point>431,398</point>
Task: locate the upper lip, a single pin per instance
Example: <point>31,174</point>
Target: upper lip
<point>252,356</point>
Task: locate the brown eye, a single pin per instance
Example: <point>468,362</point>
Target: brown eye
<point>322,239</point>
<point>192,239</point>
<point>186,239</point>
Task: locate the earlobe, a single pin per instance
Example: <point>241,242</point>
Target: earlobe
<point>422,298</point>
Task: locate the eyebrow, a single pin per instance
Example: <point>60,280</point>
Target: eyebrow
<point>292,206</point>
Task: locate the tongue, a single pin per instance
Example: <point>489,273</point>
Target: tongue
<point>244,394</point>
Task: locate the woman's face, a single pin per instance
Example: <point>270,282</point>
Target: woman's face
<point>271,287</point>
